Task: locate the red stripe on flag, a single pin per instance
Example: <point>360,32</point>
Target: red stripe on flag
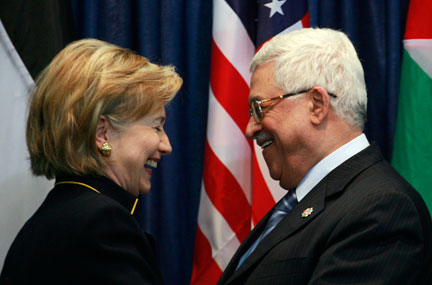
<point>231,91</point>
<point>226,194</point>
<point>205,269</point>
<point>262,200</point>
<point>419,21</point>
<point>305,20</point>
<point>229,87</point>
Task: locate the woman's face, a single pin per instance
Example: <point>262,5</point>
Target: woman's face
<point>136,151</point>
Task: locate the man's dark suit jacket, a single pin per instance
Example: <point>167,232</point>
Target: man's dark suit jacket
<point>368,226</point>
<point>78,236</point>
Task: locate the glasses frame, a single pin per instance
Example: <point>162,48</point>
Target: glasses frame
<point>256,111</point>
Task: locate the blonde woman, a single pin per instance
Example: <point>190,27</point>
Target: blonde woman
<point>95,125</point>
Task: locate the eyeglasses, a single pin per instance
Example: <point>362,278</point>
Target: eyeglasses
<point>257,111</point>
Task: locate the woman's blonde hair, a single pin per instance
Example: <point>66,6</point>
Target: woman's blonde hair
<point>87,79</point>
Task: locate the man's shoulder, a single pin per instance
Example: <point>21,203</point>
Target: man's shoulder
<point>382,178</point>
<point>376,185</point>
<point>372,173</point>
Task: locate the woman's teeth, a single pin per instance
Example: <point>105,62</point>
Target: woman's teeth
<point>151,163</point>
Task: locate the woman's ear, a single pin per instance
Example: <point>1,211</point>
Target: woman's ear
<point>320,104</point>
<point>102,127</point>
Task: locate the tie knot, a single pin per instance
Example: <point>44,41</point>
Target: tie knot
<point>287,202</point>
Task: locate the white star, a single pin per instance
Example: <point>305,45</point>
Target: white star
<point>275,6</point>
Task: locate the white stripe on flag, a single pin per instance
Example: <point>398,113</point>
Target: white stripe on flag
<point>228,30</point>
<point>276,191</point>
<point>296,26</point>
<point>10,56</point>
<point>20,192</point>
<point>232,147</point>
<point>229,144</point>
<point>221,237</point>
<point>421,51</point>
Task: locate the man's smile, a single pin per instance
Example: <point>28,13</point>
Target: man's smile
<point>264,140</point>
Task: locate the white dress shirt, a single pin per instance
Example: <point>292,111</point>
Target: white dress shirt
<point>328,163</point>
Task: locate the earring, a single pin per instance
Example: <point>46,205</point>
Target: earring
<point>106,149</point>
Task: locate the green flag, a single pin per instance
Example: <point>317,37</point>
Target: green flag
<point>412,152</point>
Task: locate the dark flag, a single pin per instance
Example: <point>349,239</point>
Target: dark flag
<point>31,34</point>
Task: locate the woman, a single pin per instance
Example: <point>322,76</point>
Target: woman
<point>96,125</point>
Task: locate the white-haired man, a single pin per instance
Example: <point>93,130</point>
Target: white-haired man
<point>348,217</point>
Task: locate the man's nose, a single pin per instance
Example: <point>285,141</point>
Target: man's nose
<point>252,128</point>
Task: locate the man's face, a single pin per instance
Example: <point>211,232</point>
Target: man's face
<point>280,132</point>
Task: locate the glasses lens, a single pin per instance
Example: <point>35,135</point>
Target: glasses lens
<point>256,110</point>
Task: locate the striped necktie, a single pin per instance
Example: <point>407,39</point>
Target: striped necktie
<point>285,205</point>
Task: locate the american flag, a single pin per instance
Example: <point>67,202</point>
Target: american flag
<point>237,190</point>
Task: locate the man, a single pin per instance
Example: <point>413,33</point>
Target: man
<point>348,217</point>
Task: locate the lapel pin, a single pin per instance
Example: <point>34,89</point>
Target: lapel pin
<point>307,212</point>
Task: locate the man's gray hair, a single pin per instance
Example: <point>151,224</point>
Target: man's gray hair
<point>319,57</point>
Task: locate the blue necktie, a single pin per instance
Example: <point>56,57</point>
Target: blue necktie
<point>285,205</point>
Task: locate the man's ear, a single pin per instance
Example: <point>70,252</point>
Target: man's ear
<point>102,127</point>
<point>320,105</point>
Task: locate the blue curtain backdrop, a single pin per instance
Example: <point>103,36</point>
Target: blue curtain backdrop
<point>178,32</point>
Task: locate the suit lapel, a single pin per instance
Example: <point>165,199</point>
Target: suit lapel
<point>290,223</point>
<point>334,182</point>
<point>244,246</point>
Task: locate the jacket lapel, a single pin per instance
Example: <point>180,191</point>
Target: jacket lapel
<point>244,246</point>
<point>334,182</point>
<point>290,223</point>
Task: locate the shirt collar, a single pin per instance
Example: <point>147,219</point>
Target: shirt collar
<point>328,163</point>
<point>103,185</point>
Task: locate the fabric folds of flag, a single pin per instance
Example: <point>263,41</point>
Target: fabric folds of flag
<point>20,192</point>
<point>237,190</point>
<point>26,47</point>
<point>412,152</point>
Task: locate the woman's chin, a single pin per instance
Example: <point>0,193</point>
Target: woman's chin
<point>145,188</point>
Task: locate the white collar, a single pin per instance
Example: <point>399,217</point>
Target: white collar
<point>328,163</point>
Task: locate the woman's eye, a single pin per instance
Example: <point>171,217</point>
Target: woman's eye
<point>158,128</point>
